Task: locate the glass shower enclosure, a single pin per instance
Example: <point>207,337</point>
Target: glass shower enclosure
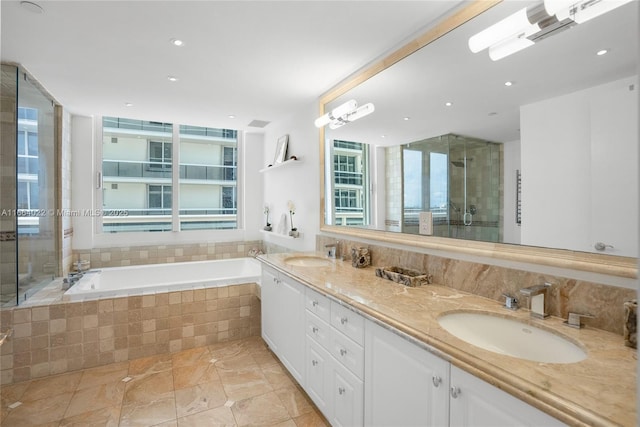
<point>458,179</point>
<point>29,220</point>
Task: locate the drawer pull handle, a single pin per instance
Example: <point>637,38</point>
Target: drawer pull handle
<point>314,303</point>
<point>315,330</point>
<point>436,381</point>
<point>314,362</point>
<point>343,352</point>
<point>343,320</point>
<point>455,392</point>
<point>341,390</point>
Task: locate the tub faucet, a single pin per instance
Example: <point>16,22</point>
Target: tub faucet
<point>333,249</point>
<point>68,282</point>
<point>537,300</point>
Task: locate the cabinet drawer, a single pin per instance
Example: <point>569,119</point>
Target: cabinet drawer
<point>347,352</point>
<point>318,329</point>
<point>318,304</point>
<point>346,321</point>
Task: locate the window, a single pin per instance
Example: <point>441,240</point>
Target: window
<point>138,177</point>
<point>159,197</point>
<point>160,155</point>
<point>208,170</point>
<point>350,178</point>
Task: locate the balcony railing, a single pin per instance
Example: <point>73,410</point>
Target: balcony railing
<point>145,169</point>
<point>124,212</point>
<point>350,178</point>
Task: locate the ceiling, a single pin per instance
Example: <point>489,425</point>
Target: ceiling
<point>255,60</point>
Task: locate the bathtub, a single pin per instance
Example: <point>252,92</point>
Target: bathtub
<point>152,278</point>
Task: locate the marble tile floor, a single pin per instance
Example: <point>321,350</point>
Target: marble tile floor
<point>237,383</point>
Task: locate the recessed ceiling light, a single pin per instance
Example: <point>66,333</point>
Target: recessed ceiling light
<point>231,116</point>
<point>509,83</point>
<point>602,52</point>
<point>406,118</point>
<point>177,42</point>
<point>172,78</point>
<point>32,7</point>
<point>448,104</point>
<point>383,136</point>
<point>128,104</point>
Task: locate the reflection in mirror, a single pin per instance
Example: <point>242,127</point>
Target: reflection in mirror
<point>451,188</point>
<point>350,171</point>
<point>558,127</point>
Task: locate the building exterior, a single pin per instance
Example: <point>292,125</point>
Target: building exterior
<point>138,163</point>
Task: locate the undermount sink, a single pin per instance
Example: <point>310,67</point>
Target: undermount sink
<point>511,337</point>
<point>307,261</point>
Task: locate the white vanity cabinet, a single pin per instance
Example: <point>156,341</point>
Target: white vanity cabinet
<point>283,320</point>
<point>405,385</point>
<point>335,360</point>
<point>475,402</point>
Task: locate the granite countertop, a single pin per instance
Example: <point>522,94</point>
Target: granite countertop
<point>598,391</point>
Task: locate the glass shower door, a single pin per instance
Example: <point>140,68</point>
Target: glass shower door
<point>37,247</point>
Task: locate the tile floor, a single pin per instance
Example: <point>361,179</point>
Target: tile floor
<point>238,383</point>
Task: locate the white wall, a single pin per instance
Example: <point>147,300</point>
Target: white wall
<point>298,182</point>
<point>83,180</point>
<point>584,146</point>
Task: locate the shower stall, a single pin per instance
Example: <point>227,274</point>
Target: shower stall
<point>29,215</point>
<point>458,180</point>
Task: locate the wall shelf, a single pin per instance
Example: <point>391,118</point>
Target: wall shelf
<point>281,236</point>
<point>283,164</point>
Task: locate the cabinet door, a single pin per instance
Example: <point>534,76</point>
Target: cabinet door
<point>291,333</point>
<point>269,302</point>
<point>347,395</point>
<point>477,403</point>
<point>319,377</point>
<point>405,385</point>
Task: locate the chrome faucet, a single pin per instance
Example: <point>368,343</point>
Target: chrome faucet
<point>573,319</point>
<point>333,249</point>
<point>510,302</point>
<point>68,282</point>
<point>537,300</point>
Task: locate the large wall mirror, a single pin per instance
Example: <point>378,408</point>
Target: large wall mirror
<point>533,157</point>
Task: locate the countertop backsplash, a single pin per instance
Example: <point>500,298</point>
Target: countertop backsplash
<point>566,295</point>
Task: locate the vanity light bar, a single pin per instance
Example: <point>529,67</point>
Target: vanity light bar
<point>530,25</point>
<point>359,113</point>
<point>336,113</point>
<point>344,114</point>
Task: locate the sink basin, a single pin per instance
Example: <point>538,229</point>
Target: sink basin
<point>307,261</point>
<point>511,337</point>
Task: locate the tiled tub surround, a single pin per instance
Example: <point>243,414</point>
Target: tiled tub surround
<point>68,336</point>
<point>161,254</point>
<point>598,391</point>
<point>605,302</point>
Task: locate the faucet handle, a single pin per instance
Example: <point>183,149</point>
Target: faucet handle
<point>573,320</point>
<point>510,302</point>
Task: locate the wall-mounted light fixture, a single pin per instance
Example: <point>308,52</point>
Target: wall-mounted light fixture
<point>343,114</point>
<point>532,24</point>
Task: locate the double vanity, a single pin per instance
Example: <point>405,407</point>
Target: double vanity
<point>372,352</point>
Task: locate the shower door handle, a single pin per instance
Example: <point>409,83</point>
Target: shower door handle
<point>467,218</point>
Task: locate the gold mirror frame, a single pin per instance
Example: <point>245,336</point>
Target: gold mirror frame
<point>590,262</point>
